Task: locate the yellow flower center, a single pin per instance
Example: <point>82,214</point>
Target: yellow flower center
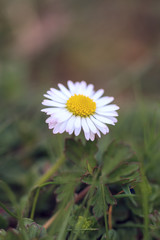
<point>81,105</point>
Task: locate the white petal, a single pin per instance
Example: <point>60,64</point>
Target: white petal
<point>48,119</point>
<point>59,93</point>
<point>91,125</point>
<point>87,135</point>
<point>77,131</point>
<point>98,133</point>
<point>62,127</point>
<point>103,130</point>
<point>98,94</point>
<point>92,136</point>
<point>103,119</point>
<point>78,122</point>
<point>51,122</point>
<point>63,116</point>
<point>82,88</point>
<point>55,98</point>
<point>113,119</point>
<point>85,126</point>
<point>77,125</point>
<point>71,87</point>
<point>113,114</point>
<point>77,86</point>
<point>52,103</point>
<point>51,110</point>
<point>89,90</point>
<point>97,122</point>
<point>56,128</point>
<point>109,108</point>
<point>70,125</point>
<point>51,125</point>
<point>64,90</point>
<point>103,101</point>
<point>101,126</point>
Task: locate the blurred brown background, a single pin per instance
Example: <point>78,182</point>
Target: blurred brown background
<point>114,44</point>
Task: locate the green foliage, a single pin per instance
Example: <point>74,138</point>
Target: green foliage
<point>81,154</point>
<point>97,201</point>
<point>83,223</point>
<point>27,229</point>
<point>33,230</point>
<point>122,173</point>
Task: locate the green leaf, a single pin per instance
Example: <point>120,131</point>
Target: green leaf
<point>74,150</point>
<point>113,235</point>
<point>114,156</point>
<point>65,192</point>
<point>124,173</point>
<point>81,154</point>
<point>88,179</point>
<point>33,229</point>
<point>13,234</point>
<point>90,152</point>
<point>126,189</point>
<point>98,203</point>
<point>7,210</point>
<point>92,178</point>
<point>8,192</point>
<point>109,197</point>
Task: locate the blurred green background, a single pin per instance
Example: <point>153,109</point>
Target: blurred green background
<point>113,44</point>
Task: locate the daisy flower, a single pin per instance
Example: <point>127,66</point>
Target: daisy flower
<point>79,108</point>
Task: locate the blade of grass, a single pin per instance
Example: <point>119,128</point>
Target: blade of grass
<point>105,211</point>
<point>8,211</point>
<point>64,225</point>
<point>9,192</point>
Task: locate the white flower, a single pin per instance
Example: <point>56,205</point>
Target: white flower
<point>79,108</point>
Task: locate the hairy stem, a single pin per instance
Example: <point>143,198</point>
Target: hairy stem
<point>51,171</point>
<point>34,203</point>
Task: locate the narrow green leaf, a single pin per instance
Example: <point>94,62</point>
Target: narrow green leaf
<point>9,192</point>
<point>7,210</point>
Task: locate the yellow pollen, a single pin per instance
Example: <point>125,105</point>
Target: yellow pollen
<point>81,105</point>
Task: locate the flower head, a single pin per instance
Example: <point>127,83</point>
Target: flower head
<point>79,108</point>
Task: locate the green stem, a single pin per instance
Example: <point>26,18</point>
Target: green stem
<point>105,211</point>
<point>8,211</point>
<point>41,182</point>
<point>51,171</point>
<point>34,203</point>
